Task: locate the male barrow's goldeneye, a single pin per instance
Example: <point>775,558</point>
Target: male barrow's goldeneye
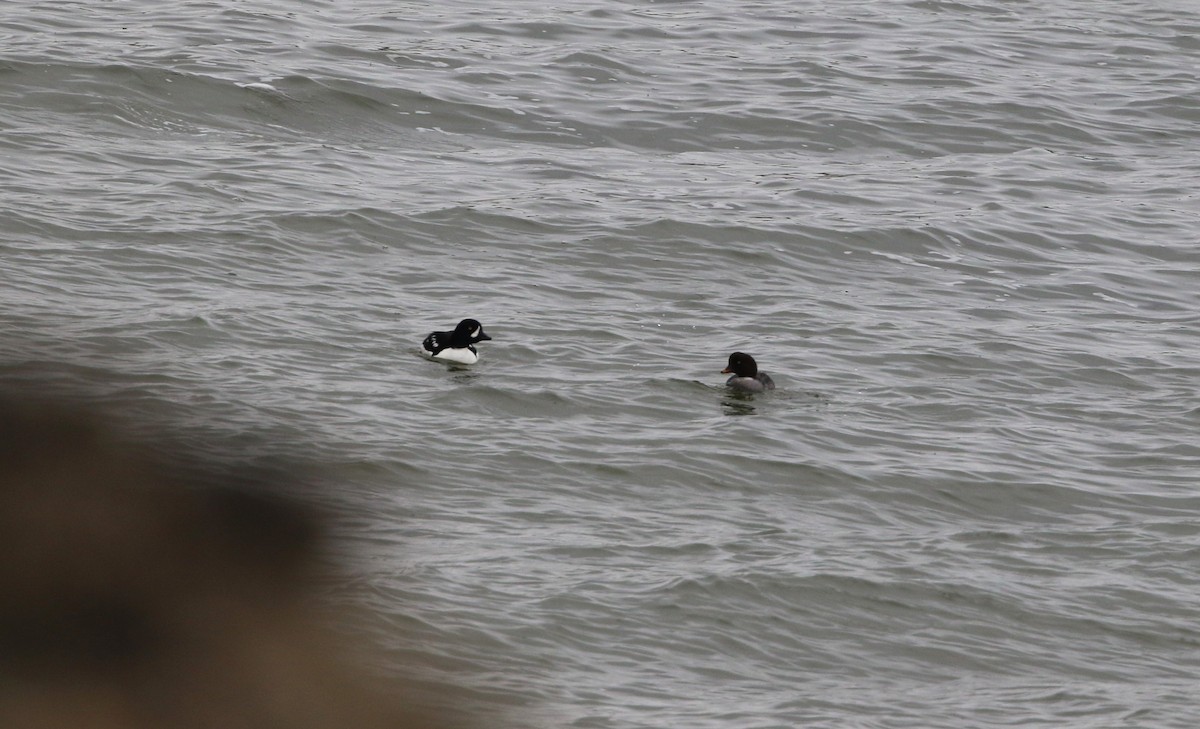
<point>746,376</point>
<point>456,346</point>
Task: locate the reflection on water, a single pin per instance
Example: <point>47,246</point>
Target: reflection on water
<point>736,402</point>
<point>462,374</point>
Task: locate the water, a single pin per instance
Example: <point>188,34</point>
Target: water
<point>962,237</point>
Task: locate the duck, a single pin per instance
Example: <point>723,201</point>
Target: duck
<point>745,374</point>
<point>457,346</point>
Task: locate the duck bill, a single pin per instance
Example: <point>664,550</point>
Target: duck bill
<point>727,371</point>
<point>483,338</point>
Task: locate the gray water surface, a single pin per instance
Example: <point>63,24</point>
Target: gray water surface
<point>961,236</point>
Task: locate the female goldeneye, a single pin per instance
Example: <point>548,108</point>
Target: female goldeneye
<point>458,345</point>
<point>746,376</point>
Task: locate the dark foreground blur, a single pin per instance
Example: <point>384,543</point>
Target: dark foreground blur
<point>131,596</point>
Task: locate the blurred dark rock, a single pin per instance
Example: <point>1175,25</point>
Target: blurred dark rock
<point>133,596</point>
